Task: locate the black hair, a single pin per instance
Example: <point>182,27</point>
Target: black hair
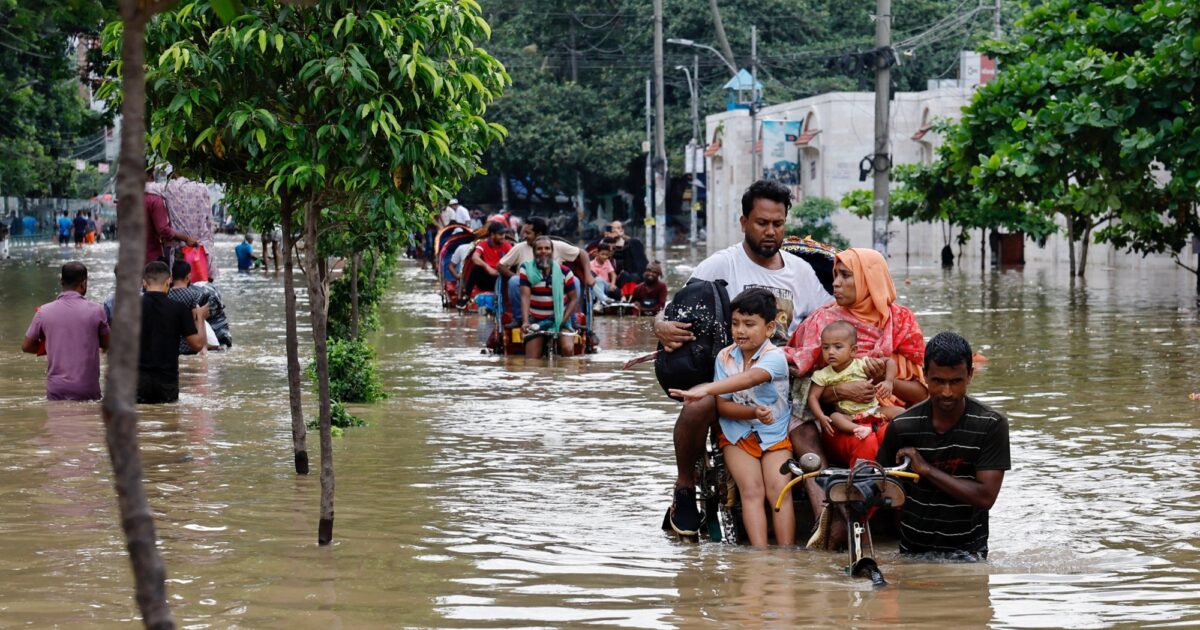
<point>538,225</point>
<point>842,324</point>
<point>181,270</point>
<point>948,349</point>
<point>495,227</point>
<point>766,189</point>
<point>156,272</point>
<point>73,275</point>
<point>603,247</point>
<point>755,301</point>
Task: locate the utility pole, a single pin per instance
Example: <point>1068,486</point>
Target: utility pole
<point>660,147</point>
<point>580,212</point>
<point>881,161</point>
<point>649,150</point>
<point>996,20</point>
<point>697,155</point>
<point>755,175</point>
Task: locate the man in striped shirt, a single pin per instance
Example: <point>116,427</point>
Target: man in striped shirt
<point>547,299</point>
<point>959,446</point>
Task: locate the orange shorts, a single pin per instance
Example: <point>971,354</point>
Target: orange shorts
<point>752,446</point>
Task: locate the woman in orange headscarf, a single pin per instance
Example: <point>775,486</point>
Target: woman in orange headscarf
<point>864,296</point>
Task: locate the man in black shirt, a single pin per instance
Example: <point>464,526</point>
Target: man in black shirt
<point>164,322</point>
<point>959,446</point>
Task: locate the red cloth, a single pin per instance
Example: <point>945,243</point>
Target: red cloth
<point>158,226</point>
<point>656,292</point>
<point>491,254</point>
<point>845,448</point>
<point>900,338</point>
<point>198,259</point>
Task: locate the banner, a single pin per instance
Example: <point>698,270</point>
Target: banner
<point>780,156</point>
<point>693,159</point>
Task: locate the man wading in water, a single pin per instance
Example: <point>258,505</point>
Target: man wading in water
<point>755,262</point>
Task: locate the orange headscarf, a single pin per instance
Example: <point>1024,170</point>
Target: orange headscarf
<point>873,287</point>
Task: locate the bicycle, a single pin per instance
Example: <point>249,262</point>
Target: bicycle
<point>857,491</point>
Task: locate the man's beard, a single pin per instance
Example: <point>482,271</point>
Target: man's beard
<point>543,263</point>
<point>758,248</point>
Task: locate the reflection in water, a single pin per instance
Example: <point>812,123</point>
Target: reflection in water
<point>511,492</point>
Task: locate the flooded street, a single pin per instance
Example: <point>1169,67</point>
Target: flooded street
<point>491,492</point>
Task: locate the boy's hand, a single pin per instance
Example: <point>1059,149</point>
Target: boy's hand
<point>861,432</point>
<point>883,390</point>
<point>763,414</point>
<point>698,392</point>
<point>824,424</point>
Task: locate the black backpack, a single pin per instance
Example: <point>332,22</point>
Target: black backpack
<point>704,305</point>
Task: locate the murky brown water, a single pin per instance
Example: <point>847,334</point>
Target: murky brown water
<point>494,493</point>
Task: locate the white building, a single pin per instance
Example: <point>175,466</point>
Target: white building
<point>836,134</point>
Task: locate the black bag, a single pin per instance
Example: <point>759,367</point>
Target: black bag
<point>704,305</point>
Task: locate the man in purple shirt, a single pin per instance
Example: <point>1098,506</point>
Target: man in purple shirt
<point>74,330</point>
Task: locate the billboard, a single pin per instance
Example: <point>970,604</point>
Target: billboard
<point>780,155</point>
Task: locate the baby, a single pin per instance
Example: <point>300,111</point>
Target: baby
<point>839,341</point>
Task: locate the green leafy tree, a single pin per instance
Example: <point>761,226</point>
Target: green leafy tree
<point>349,103</point>
<point>1090,120</point>
<point>811,218</point>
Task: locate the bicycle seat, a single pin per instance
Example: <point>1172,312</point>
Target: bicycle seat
<point>870,492</point>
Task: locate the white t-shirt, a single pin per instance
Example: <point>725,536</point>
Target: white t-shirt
<point>522,252</point>
<point>795,286</point>
<point>447,216</point>
<point>462,215</point>
<point>460,255</point>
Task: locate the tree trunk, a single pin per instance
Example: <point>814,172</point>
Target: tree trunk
<point>299,437</point>
<point>982,250</point>
<point>1083,249</point>
<point>1071,242</point>
<point>354,295</point>
<point>120,396</point>
<point>720,30</point>
<point>317,300</point>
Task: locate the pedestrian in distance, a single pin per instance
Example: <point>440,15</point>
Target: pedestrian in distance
<point>246,259</point>
<point>73,331</point>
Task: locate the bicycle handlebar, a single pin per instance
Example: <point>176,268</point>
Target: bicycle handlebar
<point>791,466</point>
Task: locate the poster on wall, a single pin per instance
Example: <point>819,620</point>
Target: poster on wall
<point>780,155</point>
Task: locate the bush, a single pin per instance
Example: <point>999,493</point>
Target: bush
<point>339,419</point>
<point>810,217</point>
<point>352,377</point>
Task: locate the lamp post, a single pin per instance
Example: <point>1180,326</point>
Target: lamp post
<point>687,42</point>
<point>693,90</point>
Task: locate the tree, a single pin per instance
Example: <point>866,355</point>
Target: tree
<point>45,125</point>
<point>1090,119</point>
<point>350,103</point>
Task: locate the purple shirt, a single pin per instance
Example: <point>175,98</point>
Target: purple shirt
<point>72,327</point>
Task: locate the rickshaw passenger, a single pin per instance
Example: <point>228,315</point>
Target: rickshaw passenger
<point>604,273</point>
<point>488,253</point>
<point>755,262</point>
<point>548,296</point>
<point>575,258</point>
<point>751,384</point>
<point>650,295</point>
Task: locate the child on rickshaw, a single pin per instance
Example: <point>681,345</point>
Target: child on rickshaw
<point>751,385</point>
<point>856,429</point>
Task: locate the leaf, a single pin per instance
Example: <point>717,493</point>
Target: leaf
<point>262,138</point>
<point>279,42</point>
<point>262,41</point>
<point>226,9</point>
<point>1019,124</point>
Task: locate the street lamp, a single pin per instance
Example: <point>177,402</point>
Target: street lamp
<point>694,91</point>
<point>678,41</point>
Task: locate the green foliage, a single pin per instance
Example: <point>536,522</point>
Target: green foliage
<point>811,217</point>
<point>580,70</point>
<point>352,377</point>
<point>45,125</point>
<point>340,419</point>
<point>370,293</point>
<point>1092,119</point>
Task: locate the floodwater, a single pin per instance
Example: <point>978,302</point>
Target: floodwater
<point>489,492</point>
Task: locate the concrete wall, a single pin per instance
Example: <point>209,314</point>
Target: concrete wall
<point>829,167</point>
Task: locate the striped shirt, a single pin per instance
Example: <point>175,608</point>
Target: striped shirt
<point>541,298</point>
<point>931,520</point>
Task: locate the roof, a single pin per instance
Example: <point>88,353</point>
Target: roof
<point>742,81</point>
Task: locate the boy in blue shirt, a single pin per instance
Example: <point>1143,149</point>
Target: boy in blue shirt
<point>751,383</point>
<point>64,229</point>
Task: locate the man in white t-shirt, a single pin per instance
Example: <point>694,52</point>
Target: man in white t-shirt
<point>756,262</point>
<point>461,214</point>
<point>576,258</point>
